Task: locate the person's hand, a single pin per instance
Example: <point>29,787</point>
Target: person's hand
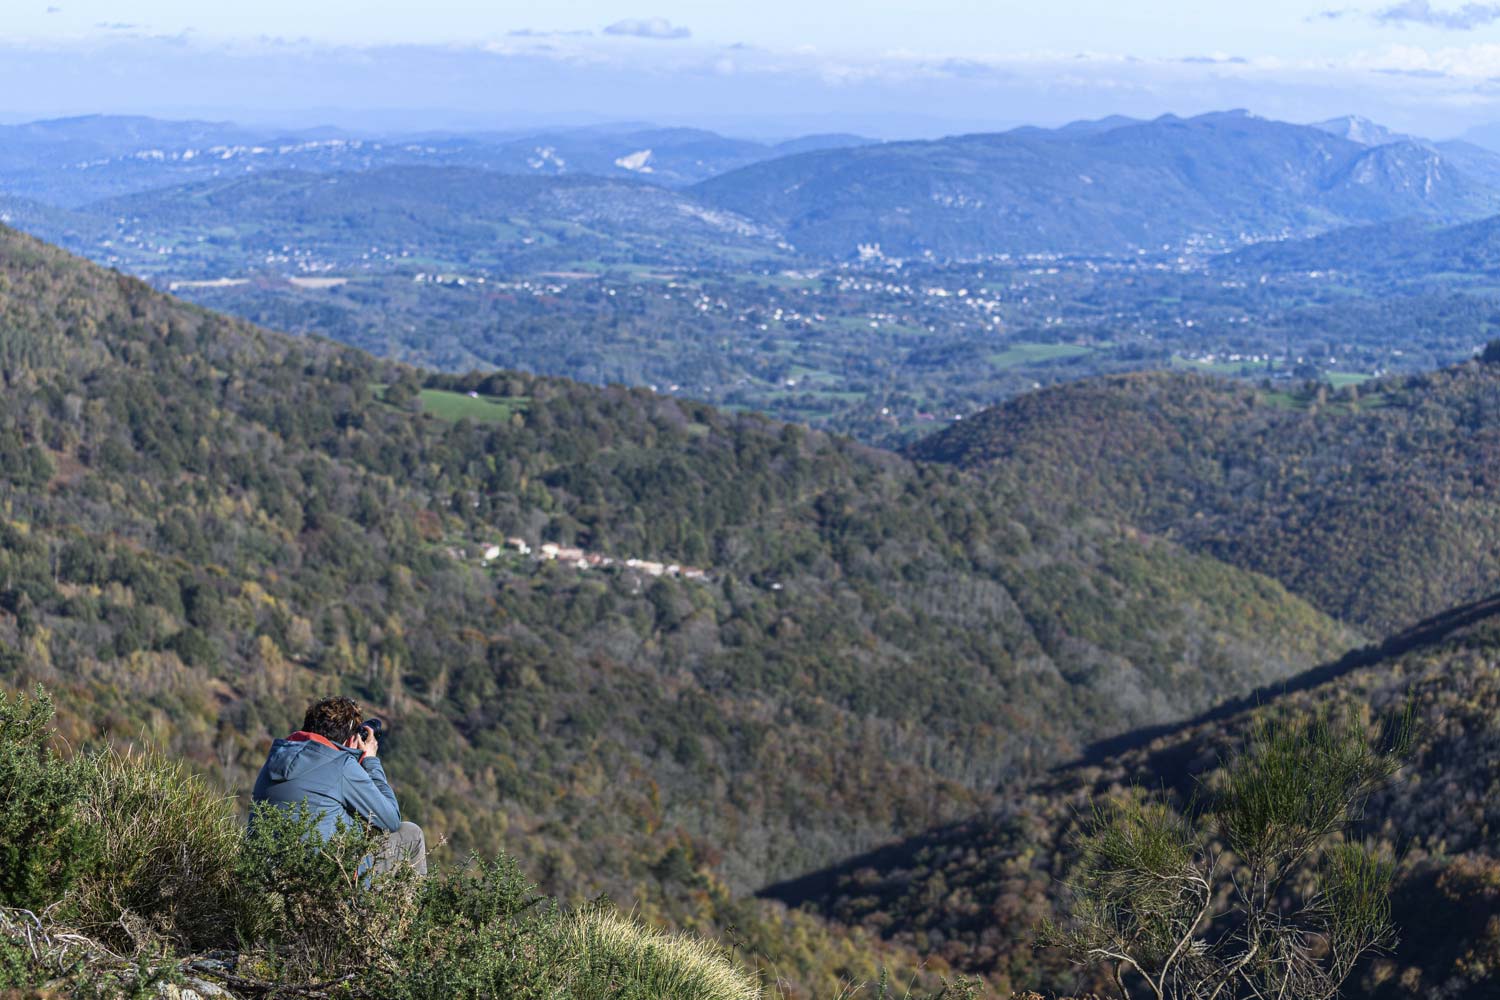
<point>364,740</point>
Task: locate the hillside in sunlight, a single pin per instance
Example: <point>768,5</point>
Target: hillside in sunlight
<point>205,524</point>
<point>1378,503</point>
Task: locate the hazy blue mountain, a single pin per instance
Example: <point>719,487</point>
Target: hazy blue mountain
<point>36,216</point>
<point>413,218</point>
<point>1091,126</point>
<point>88,136</point>
<point>823,140</point>
<point>1111,186</point>
<point>1363,131</point>
<point>669,156</point>
<point>1487,136</point>
<point>1225,176</point>
<point>1479,163</point>
<point>73,161</point>
<point>70,162</point>
<point>1401,179</point>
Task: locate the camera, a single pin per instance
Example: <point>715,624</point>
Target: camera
<point>376,727</point>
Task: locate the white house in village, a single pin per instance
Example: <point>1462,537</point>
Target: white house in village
<point>646,566</point>
<point>579,558</point>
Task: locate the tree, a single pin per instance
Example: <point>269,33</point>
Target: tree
<point>1251,891</point>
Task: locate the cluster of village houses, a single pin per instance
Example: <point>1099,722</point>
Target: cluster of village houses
<point>580,559</point>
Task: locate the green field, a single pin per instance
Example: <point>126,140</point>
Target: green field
<point>447,405</point>
<point>1300,400</point>
<point>1230,368</point>
<point>1022,353</point>
<point>460,406</point>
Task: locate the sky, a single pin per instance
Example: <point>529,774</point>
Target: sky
<point>768,68</point>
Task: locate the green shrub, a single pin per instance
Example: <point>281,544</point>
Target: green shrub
<point>1255,895</point>
<point>481,932</point>
<point>959,989</point>
<point>17,970</point>
<point>44,843</point>
<point>306,908</point>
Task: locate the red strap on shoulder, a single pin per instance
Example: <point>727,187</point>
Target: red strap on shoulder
<point>303,737</point>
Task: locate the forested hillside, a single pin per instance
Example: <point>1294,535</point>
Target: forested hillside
<point>975,891</point>
<point>205,524</point>
<point>411,218</point>
<point>1407,255</point>
<point>1378,503</point>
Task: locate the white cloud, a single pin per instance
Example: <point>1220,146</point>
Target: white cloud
<point>536,33</point>
<point>1469,62</point>
<point>1421,12</point>
<point>648,27</point>
<point>1421,89</point>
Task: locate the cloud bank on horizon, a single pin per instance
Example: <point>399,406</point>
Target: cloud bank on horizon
<point>1402,63</point>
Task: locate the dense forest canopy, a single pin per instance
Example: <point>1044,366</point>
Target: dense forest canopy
<point>206,523</point>
<point>1378,503</point>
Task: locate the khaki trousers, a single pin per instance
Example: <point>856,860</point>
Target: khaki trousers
<point>406,844</point>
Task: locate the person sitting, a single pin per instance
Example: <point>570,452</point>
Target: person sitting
<point>331,765</point>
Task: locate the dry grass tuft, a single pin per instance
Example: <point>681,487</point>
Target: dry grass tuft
<point>167,846</point>
<point>614,951</point>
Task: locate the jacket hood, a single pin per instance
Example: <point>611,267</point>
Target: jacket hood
<point>296,756</point>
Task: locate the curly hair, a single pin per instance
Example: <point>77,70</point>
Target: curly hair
<point>335,719</point>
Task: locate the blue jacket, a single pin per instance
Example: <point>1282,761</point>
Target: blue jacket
<point>334,781</point>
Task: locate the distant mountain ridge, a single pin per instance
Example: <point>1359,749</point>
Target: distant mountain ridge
<point>1095,187</point>
<point>1115,185</point>
<point>1363,131</point>
<point>72,161</point>
<point>413,217</point>
<point>1478,162</point>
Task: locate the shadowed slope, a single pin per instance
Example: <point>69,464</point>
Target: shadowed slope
<point>973,892</point>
